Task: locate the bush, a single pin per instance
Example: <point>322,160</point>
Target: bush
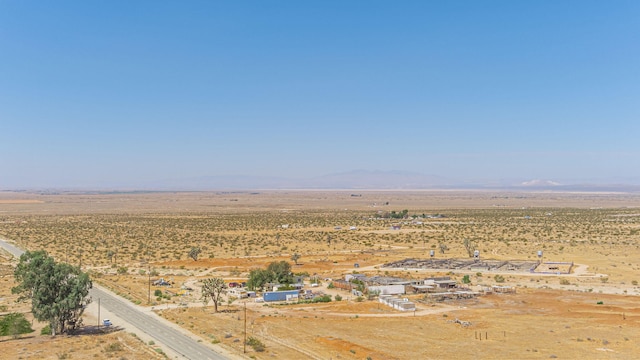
<point>466,279</point>
<point>338,297</point>
<point>499,278</point>
<point>323,298</point>
<point>256,344</point>
<point>122,270</point>
<point>14,324</point>
<point>46,330</point>
<point>157,293</point>
<point>113,347</point>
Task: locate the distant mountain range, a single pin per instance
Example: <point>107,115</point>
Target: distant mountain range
<point>383,180</point>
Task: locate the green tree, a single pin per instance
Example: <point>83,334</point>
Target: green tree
<point>58,291</point>
<point>281,272</point>
<point>212,290</point>
<point>295,258</point>
<point>258,278</point>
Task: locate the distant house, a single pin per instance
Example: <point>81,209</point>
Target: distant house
<point>238,292</point>
<point>395,227</point>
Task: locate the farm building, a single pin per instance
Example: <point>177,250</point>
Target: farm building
<point>387,289</point>
<point>444,282</point>
<point>342,284</point>
<point>397,303</point>
<point>280,295</point>
<point>350,277</point>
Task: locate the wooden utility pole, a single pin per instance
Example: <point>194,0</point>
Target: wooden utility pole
<point>244,347</point>
<point>148,274</point>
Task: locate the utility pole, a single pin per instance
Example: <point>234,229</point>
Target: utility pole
<point>98,312</point>
<point>149,276</point>
<point>244,347</point>
<point>149,283</point>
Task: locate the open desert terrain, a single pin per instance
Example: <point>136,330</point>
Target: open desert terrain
<point>127,240</point>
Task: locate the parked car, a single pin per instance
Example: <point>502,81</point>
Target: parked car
<point>106,322</point>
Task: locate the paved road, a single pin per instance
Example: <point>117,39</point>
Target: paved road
<point>147,323</point>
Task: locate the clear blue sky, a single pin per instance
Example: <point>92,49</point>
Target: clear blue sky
<point>126,92</point>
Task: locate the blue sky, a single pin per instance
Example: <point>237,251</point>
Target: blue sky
<point>127,92</point>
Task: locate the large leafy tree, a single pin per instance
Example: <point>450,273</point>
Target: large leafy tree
<point>258,278</point>
<point>277,272</point>
<point>212,290</point>
<point>58,291</point>
<point>281,272</point>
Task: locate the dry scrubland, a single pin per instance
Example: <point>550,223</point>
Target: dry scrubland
<point>119,237</point>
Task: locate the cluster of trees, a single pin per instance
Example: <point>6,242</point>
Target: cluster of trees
<point>277,272</point>
<point>58,291</point>
<point>396,215</point>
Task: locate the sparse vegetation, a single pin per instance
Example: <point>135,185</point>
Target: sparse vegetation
<point>244,240</point>
<point>256,344</point>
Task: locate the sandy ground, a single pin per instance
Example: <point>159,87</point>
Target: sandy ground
<point>591,313</point>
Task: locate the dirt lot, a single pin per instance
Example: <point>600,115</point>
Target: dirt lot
<point>120,238</point>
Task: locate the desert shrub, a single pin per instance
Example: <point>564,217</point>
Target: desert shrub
<point>499,278</point>
<point>113,347</point>
<point>46,330</point>
<point>338,297</point>
<point>323,298</point>
<point>466,279</point>
<point>14,324</point>
<point>158,292</point>
<point>122,270</point>
<point>564,282</point>
<point>256,344</point>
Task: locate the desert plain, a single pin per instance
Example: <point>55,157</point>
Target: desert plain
<point>126,240</point>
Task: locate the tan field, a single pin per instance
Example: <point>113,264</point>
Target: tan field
<point>121,237</point>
